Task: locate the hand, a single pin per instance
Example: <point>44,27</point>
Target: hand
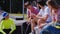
<point>28,22</point>
<point>33,16</point>
<point>41,26</point>
<point>4,33</point>
<point>9,32</point>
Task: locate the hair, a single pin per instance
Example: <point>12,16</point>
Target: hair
<point>42,3</point>
<point>3,19</point>
<point>27,3</point>
<point>53,4</point>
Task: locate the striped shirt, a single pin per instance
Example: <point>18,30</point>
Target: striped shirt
<point>34,11</point>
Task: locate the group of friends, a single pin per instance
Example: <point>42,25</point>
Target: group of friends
<point>47,18</point>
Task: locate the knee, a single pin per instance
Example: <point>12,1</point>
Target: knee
<point>32,20</point>
<point>46,32</point>
<point>39,20</point>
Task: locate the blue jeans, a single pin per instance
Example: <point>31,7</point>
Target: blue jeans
<point>50,30</point>
<point>48,21</point>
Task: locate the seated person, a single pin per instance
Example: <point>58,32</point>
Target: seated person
<point>31,11</point>
<point>54,27</point>
<point>7,25</point>
<point>44,14</point>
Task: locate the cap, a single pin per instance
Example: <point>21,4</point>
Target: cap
<point>4,14</point>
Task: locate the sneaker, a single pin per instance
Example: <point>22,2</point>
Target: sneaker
<point>31,33</point>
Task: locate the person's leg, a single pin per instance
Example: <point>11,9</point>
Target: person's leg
<point>44,31</point>
<point>32,25</point>
<point>49,30</point>
<point>26,28</point>
<point>41,23</point>
<point>7,31</point>
<point>0,33</point>
<point>38,22</point>
<point>29,21</point>
<point>58,31</point>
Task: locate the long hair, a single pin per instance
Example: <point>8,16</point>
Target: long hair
<point>53,4</point>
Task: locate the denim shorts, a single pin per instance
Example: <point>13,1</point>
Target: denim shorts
<point>48,21</point>
<point>50,30</point>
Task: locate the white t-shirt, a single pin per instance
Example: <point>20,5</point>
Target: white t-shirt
<point>45,12</point>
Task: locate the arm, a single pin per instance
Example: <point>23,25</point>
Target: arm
<point>44,18</point>
<point>46,14</point>
<point>13,27</point>
<point>39,15</point>
<point>1,28</point>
